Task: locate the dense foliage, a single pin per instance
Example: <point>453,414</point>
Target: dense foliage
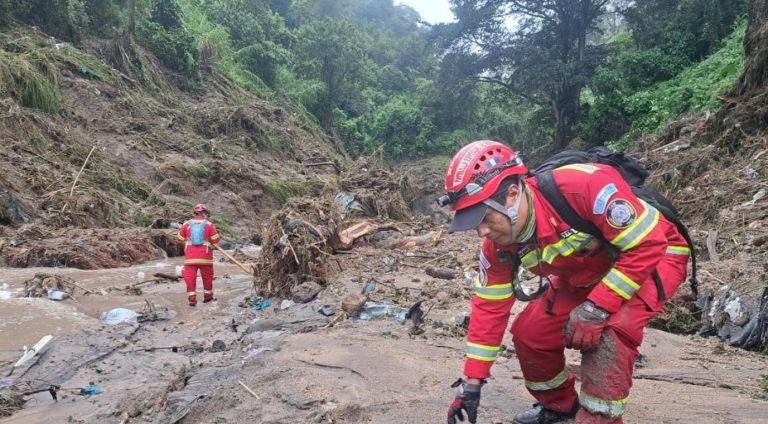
<point>371,73</point>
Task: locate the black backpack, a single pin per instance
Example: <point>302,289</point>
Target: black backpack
<point>634,174</point>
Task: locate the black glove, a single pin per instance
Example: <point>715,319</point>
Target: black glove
<point>467,399</point>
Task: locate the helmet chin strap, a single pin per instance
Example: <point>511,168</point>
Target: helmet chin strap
<point>513,213</point>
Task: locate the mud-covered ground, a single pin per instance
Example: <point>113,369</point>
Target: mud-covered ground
<point>304,367</point>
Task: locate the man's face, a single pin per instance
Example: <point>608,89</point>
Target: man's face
<point>497,226</point>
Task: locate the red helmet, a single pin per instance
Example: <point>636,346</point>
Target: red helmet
<point>201,208</point>
<point>474,175</point>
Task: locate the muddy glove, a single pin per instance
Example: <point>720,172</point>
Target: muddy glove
<point>585,326</point>
<point>467,400</point>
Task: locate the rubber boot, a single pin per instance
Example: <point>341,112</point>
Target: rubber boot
<point>541,415</point>
<point>208,297</point>
<point>192,300</point>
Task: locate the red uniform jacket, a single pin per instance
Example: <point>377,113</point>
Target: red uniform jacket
<point>203,254</point>
<point>600,195</point>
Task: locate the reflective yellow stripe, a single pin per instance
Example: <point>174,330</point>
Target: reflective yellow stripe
<point>198,261</point>
<point>178,236</point>
<point>190,293</point>
<point>678,250</point>
<point>530,259</point>
<point>589,169</point>
<point>494,292</point>
<point>554,383</point>
<point>620,283</point>
<point>638,230</point>
<point>611,408</point>
<point>565,247</point>
<point>482,352</point>
<point>215,237</point>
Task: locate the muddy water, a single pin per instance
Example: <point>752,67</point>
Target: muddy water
<point>23,321</point>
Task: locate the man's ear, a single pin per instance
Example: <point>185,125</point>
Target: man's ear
<point>512,192</point>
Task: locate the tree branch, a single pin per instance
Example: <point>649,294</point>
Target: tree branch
<point>510,88</point>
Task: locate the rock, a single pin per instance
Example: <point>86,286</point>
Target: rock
<point>305,292</point>
<point>352,304</point>
<point>218,346</point>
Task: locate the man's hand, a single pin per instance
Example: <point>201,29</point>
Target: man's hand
<point>585,326</point>
<point>467,401</point>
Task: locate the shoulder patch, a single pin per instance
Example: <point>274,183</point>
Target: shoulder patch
<point>602,198</point>
<point>581,167</point>
<point>484,262</point>
<point>620,214</point>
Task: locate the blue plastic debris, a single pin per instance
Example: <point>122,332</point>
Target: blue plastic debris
<point>91,390</point>
<point>262,304</point>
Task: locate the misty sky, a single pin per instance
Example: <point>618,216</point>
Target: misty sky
<point>432,11</point>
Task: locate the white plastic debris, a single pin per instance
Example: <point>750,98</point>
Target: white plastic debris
<point>140,275</point>
<point>179,269</point>
<point>120,316</point>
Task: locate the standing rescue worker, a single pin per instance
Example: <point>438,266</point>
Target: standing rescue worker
<point>600,297</point>
<point>198,235</point>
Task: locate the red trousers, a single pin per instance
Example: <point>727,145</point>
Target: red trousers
<point>606,372</point>
<point>190,277</point>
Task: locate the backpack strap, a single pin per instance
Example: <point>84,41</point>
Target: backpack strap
<point>548,188</point>
<point>554,196</point>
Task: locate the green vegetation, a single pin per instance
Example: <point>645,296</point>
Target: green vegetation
<point>282,190</point>
<point>371,75</point>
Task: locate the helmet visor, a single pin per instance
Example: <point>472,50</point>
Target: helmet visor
<point>468,218</point>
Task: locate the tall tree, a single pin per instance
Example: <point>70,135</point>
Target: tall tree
<point>535,49</point>
<point>334,52</point>
<point>755,75</point>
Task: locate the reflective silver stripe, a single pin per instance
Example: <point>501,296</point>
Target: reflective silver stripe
<point>620,283</point>
<point>495,292</point>
<point>611,408</point>
<point>678,250</point>
<point>638,230</point>
<point>481,352</point>
<point>554,383</point>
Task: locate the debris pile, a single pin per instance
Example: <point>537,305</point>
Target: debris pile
<point>43,246</point>
<point>11,400</point>
<point>306,232</point>
<point>41,285</point>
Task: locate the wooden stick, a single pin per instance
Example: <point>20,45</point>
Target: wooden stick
<point>235,261</point>
<point>249,390</point>
<point>82,168</point>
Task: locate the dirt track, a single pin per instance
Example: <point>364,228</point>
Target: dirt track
<point>304,371</point>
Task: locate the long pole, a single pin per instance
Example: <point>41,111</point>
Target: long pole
<point>235,261</point>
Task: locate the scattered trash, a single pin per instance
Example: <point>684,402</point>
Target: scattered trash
<point>59,46</point>
<point>262,304</point>
<point>370,287</point>
<point>91,389</point>
<point>286,303</point>
<point>30,353</point>
<point>218,346</point>
<point>179,270</point>
<point>5,295</point>
<point>347,205</point>
<point>57,295</point>
<point>161,264</point>
<point>374,310</point>
<point>327,310</point>
<point>120,316</point>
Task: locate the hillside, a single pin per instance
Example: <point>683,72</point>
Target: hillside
<point>98,173</point>
<point>131,145</point>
